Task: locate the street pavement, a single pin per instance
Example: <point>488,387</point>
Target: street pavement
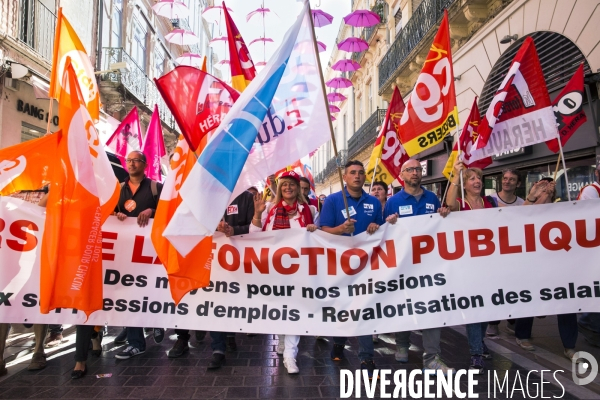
<point>256,371</point>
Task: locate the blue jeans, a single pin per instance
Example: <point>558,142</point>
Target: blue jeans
<point>589,321</point>
<point>567,328</point>
<point>475,335</point>
<point>135,337</point>
<point>523,328</point>
<point>218,342</point>
<point>366,348</point>
<point>431,343</point>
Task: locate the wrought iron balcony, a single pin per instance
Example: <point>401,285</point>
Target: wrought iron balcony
<point>367,33</point>
<point>36,27</point>
<point>332,164</point>
<point>367,133</point>
<point>134,80</point>
<point>424,19</point>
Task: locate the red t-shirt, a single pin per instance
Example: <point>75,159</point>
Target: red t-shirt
<point>486,204</point>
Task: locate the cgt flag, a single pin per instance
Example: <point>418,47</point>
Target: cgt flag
<point>197,100</point>
<point>568,109</point>
<point>388,147</point>
<point>431,111</point>
<point>27,166</point>
<point>154,147</point>
<point>520,113</point>
<point>68,45</point>
<point>127,137</point>
<point>240,62</point>
<point>83,193</point>
<point>465,143</point>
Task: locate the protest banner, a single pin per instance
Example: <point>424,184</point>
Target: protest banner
<point>423,272</point>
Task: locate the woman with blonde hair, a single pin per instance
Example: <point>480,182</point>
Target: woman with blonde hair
<point>289,210</point>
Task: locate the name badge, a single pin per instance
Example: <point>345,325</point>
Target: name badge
<point>352,212</point>
<point>406,210</point>
<point>429,207</point>
<point>232,209</point>
<point>368,206</point>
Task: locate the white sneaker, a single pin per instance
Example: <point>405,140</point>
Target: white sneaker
<point>291,366</point>
<point>437,365</point>
<point>570,353</point>
<point>281,344</point>
<point>375,338</point>
<point>492,330</point>
<point>401,354</point>
<point>525,344</point>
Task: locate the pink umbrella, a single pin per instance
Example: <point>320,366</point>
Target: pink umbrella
<point>182,37</point>
<point>339,83</point>
<point>191,59</point>
<point>333,118</point>
<point>321,46</point>
<point>214,14</point>
<point>222,64</point>
<point>353,45</point>
<point>346,65</point>
<point>264,40</point>
<point>215,41</point>
<point>362,18</point>
<point>172,9</point>
<point>260,64</point>
<point>335,96</point>
<point>321,18</point>
<point>261,12</point>
<point>334,109</point>
<point>304,69</point>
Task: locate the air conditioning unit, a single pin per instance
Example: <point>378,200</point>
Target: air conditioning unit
<point>12,84</point>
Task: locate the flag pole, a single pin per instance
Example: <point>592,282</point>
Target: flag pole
<point>374,173</point>
<point>462,186</point>
<point>335,151</point>
<point>562,156</point>
<point>49,117</point>
<point>557,163</point>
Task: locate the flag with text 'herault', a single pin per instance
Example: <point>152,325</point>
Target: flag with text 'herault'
<point>154,147</point>
<point>568,109</point>
<point>277,119</point>
<point>184,273</point>
<point>197,100</point>
<point>127,137</point>
<point>68,45</point>
<point>83,193</point>
<point>27,165</point>
<point>464,144</point>
<point>240,62</point>
<point>388,147</point>
<point>520,113</point>
<point>431,111</point>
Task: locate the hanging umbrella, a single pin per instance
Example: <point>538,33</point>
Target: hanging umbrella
<point>335,96</point>
<point>214,14</point>
<point>221,64</point>
<point>191,59</point>
<point>346,65</point>
<point>353,45</point>
<point>333,118</point>
<point>217,40</point>
<point>304,69</point>
<point>263,40</point>
<point>321,46</point>
<point>339,83</point>
<point>306,46</point>
<point>264,13</point>
<point>334,109</point>
<point>362,18</point>
<point>182,37</point>
<point>321,18</point>
<point>172,9</point>
<point>260,64</point>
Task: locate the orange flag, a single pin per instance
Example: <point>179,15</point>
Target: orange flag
<point>193,271</point>
<point>68,45</point>
<point>204,64</point>
<point>26,166</point>
<point>83,193</point>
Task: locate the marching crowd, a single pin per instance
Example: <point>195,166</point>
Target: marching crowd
<point>290,208</point>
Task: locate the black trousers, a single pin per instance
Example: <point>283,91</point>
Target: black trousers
<point>83,336</point>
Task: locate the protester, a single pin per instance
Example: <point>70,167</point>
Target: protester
<point>380,190</point>
<point>289,210</point>
<point>55,337</point>
<point>85,334</point>
<point>416,200</point>
<point>38,360</point>
<point>138,198</point>
<point>322,198</point>
<point>305,187</point>
<point>252,190</point>
<point>364,214</point>
<point>473,185</point>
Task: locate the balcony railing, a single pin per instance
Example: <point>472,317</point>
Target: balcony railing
<point>367,133</point>
<point>367,33</point>
<point>424,19</point>
<point>332,164</point>
<point>36,27</point>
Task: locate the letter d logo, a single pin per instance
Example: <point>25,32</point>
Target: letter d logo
<point>587,362</point>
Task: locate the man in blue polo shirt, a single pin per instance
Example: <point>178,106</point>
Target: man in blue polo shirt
<point>365,215</point>
<point>416,200</point>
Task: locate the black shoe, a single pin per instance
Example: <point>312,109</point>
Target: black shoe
<point>97,352</point>
<point>337,353</point>
<point>76,374</point>
<point>231,346</point>
<point>369,365</point>
<point>200,335</point>
<point>217,361</point>
<point>180,347</point>
<point>159,335</point>
<point>121,337</point>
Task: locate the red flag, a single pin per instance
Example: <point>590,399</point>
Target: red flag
<point>568,109</point>
<point>127,137</point>
<point>154,147</point>
<point>393,154</point>
<point>242,67</point>
<point>197,100</point>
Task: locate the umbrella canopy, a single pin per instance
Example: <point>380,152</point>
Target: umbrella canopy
<point>335,96</point>
<point>221,64</point>
<point>217,40</point>
<point>214,14</point>
<point>334,109</point>
<point>362,18</point>
<point>264,13</point>
<point>321,18</point>
<point>172,9</point>
<point>260,64</point>
<point>353,45</point>
<point>263,40</point>
<point>339,83</point>
<point>321,46</point>
<point>182,37</point>
<point>191,59</point>
<point>346,65</point>
<point>333,118</point>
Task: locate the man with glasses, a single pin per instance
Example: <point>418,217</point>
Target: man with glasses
<point>138,198</point>
<point>414,200</point>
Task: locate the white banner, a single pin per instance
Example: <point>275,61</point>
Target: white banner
<point>421,273</point>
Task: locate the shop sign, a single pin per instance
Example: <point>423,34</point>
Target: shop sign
<point>512,153</point>
<point>426,165</point>
<point>34,111</point>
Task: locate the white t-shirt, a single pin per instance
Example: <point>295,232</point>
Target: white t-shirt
<point>518,201</point>
<point>589,193</point>
<point>294,222</point>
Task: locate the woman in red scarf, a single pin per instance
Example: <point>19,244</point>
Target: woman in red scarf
<point>289,210</point>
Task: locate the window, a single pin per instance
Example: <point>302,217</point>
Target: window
<point>117,21</point>
<point>360,111</point>
<point>36,26</point>
<point>370,99</point>
<point>159,61</point>
<point>29,132</point>
<point>138,51</point>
